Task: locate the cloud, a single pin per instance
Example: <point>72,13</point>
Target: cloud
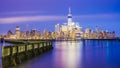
<point>21,12</point>
<point>30,18</point>
<point>105,16</point>
<point>46,18</point>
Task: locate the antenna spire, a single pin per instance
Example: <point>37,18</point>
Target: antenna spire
<point>69,10</point>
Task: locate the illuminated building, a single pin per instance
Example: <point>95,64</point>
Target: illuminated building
<point>70,25</point>
<point>64,27</point>
<point>17,32</point>
<point>9,33</point>
<point>34,34</point>
<point>57,28</point>
<point>28,34</point>
<point>22,34</point>
<point>69,29</point>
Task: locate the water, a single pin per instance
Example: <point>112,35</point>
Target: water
<point>78,54</point>
<point>0,56</point>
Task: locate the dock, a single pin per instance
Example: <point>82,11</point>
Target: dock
<point>22,51</point>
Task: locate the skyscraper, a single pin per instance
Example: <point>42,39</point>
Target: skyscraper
<point>9,33</point>
<point>69,19</point>
<point>17,32</point>
<point>57,28</point>
<point>70,29</point>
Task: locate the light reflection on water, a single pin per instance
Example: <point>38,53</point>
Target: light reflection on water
<point>78,54</point>
<point>0,55</point>
<point>70,53</point>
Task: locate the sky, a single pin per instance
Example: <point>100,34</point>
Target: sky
<point>44,14</point>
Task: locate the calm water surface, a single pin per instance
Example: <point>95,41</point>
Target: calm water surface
<point>0,56</point>
<point>78,54</point>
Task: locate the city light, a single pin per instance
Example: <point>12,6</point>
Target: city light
<point>68,31</point>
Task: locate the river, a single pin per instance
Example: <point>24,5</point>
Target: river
<point>78,54</point>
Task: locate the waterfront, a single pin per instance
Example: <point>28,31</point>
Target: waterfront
<point>0,56</point>
<point>78,54</point>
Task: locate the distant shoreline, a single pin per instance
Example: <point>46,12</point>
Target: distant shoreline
<point>58,39</point>
<point>38,40</point>
<point>87,39</point>
<point>25,41</point>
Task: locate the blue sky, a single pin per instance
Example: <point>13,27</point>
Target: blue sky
<point>40,14</point>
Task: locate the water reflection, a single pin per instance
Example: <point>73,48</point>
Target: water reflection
<point>78,54</point>
<point>70,53</point>
<point>0,55</point>
<point>101,54</point>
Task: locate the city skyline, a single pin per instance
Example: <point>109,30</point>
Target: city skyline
<point>46,15</point>
<point>67,31</point>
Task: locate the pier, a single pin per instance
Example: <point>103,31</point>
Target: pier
<point>22,51</point>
